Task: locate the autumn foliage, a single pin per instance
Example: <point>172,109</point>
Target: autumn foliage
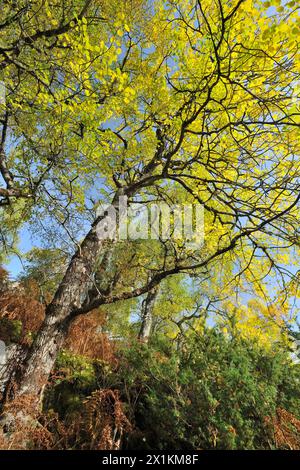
<point>20,312</point>
<point>151,338</point>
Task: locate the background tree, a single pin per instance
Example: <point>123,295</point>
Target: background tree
<point>179,102</point>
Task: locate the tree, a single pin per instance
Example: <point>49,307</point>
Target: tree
<point>44,267</point>
<point>179,101</point>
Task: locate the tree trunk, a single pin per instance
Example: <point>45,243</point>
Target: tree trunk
<point>31,378</point>
<point>33,375</point>
<point>147,315</point>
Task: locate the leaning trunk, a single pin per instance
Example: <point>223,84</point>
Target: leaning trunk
<point>31,377</point>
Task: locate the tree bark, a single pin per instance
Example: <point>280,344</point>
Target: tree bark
<point>147,315</point>
<point>31,378</point>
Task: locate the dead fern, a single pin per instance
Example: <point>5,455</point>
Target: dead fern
<point>85,337</point>
<point>105,420</point>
